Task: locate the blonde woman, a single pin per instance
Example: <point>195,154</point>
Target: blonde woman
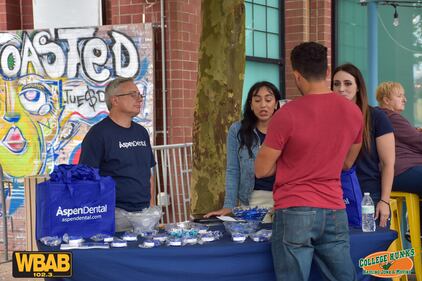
<point>408,167</point>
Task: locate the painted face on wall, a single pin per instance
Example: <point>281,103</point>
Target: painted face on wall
<point>28,122</point>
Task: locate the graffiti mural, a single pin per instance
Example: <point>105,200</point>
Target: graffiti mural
<point>52,91</point>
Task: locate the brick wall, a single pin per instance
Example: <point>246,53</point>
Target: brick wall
<point>27,17</point>
<point>184,19</point>
<point>3,15</point>
<point>16,15</point>
<point>305,21</point>
<point>13,10</point>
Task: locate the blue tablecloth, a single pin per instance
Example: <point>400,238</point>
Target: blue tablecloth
<point>217,261</point>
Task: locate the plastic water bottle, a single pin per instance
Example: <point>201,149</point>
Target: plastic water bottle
<point>368,212</point>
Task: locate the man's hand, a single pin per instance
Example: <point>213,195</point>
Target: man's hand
<point>221,212</point>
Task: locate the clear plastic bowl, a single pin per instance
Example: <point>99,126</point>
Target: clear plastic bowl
<point>142,222</point>
<point>249,214</point>
<point>246,227</point>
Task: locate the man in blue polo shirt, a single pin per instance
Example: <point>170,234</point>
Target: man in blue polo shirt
<point>121,148</point>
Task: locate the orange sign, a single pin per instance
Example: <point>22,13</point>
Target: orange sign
<point>388,264</point>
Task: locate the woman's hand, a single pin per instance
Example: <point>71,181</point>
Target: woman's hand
<point>221,212</point>
<point>383,213</point>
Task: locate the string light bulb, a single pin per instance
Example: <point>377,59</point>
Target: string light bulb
<point>396,21</point>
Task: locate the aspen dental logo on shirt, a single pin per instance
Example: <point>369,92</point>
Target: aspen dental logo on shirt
<point>388,264</point>
<point>81,213</point>
<point>130,144</point>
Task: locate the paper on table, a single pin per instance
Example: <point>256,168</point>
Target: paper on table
<point>88,245</point>
<point>226,218</point>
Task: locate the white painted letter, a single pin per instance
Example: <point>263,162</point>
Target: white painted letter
<point>10,61</point>
<point>73,36</point>
<point>126,61</point>
<point>52,55</point>
<point>29,55</point>
<point>94,56</point>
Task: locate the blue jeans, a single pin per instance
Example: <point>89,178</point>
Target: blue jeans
<point>409,181</point>
<point>301,234</point>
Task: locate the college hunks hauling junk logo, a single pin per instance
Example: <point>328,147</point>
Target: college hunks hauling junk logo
<point>388,264</point>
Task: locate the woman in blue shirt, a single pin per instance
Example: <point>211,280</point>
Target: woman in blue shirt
<point>375,163</point>
<point>243,142</point>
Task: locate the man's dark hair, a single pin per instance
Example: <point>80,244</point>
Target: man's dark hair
<point>310,60</point>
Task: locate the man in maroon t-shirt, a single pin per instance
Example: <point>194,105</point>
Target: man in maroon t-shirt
<point>308,142</point>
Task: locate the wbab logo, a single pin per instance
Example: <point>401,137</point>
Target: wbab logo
<point>42,264</point>
<point>388,264</point>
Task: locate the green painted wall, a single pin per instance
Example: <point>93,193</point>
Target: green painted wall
<point>399,48</point>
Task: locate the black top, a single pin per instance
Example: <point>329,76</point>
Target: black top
<point>367,164</point>
<point>268,182</point>
<point>125,154</point>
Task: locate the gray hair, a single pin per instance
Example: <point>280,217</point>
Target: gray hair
<point>112,86</point>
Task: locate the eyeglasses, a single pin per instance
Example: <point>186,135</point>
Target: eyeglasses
<point>133,95</point>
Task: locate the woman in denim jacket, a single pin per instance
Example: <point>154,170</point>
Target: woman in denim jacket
<point>243,142</point>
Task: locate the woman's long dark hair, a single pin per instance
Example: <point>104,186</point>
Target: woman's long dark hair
<point>361,100</point>
<point>246,133</point>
